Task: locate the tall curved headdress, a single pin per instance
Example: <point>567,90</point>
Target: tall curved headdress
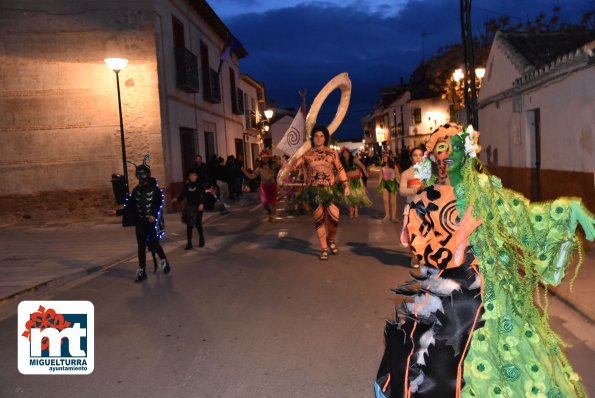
<point>341,82</point>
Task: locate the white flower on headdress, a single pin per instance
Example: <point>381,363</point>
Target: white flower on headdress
<point>471,138</point>
<point>423,170</point>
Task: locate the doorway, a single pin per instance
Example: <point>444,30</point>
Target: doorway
<point>188,147</point>
<point>534,125</point>
<point>209,145</point>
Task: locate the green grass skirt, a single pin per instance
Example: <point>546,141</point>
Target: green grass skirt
<point>391,186</point>
<point>357,195</point>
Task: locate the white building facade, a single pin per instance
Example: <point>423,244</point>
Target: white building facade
<point>537,114</point>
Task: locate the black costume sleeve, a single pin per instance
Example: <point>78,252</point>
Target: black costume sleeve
<point>158,194</point>
<point>128,213</point>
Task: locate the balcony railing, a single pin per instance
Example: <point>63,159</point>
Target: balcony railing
<point>186,70</point>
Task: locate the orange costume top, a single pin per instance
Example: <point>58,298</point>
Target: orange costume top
<point>433,222</point>
<point>320,165</point>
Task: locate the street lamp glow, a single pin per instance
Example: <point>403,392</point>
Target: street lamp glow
<point>268,113</point>
<point>116,64</point>
<point>458,75</point>
<point>480,72</point>
<point>266,128</point>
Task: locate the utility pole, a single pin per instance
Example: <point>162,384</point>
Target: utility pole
<point>470,90</point>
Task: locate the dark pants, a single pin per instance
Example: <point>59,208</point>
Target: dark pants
<point>197,223</point>
<point>146,236</point>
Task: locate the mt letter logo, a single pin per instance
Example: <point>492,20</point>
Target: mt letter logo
<point>56,337</point>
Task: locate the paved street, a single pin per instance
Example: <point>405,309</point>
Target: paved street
<point>253,314</point>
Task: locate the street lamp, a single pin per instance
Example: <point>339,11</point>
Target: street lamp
<point>458,75</point>
<point>117,64</point>
<point>269,114</point>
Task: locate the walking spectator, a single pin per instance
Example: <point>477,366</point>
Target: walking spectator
<point>192,212</point>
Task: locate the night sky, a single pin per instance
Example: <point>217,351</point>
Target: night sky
<point>295,44</point>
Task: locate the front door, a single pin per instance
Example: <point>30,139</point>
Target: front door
<point>209,145</point>
<point>240,150</point>
<point>188,147</point>
<point>533,122</point>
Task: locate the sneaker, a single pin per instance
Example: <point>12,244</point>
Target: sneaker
<point>165,266</point>
<point>201,241</point>
<point>140,275</point>
<point>188,246</point>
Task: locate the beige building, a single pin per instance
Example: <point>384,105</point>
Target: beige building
<point>59,123</point>
<point>537,113</point>
<point>405,118</point>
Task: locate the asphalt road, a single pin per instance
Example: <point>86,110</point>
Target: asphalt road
<point>253,314</point>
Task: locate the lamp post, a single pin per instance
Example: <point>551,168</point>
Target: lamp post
<point>117,64</point>
<point>268,114</point>
<point>467,86</point>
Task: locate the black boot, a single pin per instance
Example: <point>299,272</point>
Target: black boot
<point>201,241</point>
<point>188,246</point>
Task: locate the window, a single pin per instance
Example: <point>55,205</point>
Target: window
<point>186,61</point>
<point>233,92</point>
<point>178,28</point>
<point>210,77</point>
<point>240,102</point>
<point>247,111</point>
<point>416,113</point>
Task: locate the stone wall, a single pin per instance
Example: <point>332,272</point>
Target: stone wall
<point>59,125</point>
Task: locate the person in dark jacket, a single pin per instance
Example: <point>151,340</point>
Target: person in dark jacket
<point>193,209</point>
<point>201,169</point>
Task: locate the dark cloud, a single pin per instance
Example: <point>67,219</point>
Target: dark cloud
<point>305,45</point>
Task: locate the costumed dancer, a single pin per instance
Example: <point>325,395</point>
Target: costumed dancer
<point>321,192</point>
<point>388,186</point>
<point>472,329</point>
<point>408,187</point>
<point>143,208</point>
<point>193,210</point>
<point>267,172</point>
<point>354,170</point>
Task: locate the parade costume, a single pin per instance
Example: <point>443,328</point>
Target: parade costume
<point>321,193</point>
<point>353,169</point>
<point>321,164</point>
<point>143,208</point>
<point>268,191</point>
<point>472,328</point>
<point>191,214</point>
<point>388,180</point>
<point>388,187</point>
<point>408,187</point>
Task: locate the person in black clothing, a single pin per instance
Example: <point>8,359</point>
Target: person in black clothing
<point>194,208</point>
<point>201,169</point>
<point>143,209</point>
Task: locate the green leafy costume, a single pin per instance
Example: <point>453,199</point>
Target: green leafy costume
<point>518,245</point>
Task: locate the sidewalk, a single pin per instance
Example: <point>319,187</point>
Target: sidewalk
<point>38,256</point>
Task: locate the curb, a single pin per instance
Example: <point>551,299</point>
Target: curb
<point>64,279</point>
